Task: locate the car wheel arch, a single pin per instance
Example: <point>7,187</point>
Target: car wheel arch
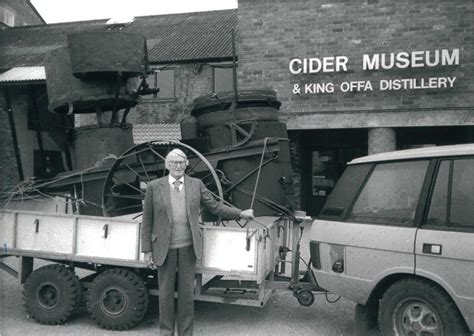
<point>389,280</point>
<point>415,288</point>
<point>379,290</point>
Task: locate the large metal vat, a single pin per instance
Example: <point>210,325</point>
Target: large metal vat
<point>107,53</point>
<point>68,94</point>
<point>97,147</point>
<point>228,124</point>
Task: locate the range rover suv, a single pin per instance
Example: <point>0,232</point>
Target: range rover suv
<point>396,235</point>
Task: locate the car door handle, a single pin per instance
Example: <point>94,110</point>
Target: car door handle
<point>432,249</point>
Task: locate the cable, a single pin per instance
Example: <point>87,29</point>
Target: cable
<point>327,299</point>
<point>258,173</point>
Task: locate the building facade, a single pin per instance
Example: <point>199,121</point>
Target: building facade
<point>14,13</point>
<point>353,77</point>
<point>360,77</point>
<point>18,13</point>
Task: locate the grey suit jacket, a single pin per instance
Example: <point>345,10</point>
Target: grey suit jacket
<point>157,216</point>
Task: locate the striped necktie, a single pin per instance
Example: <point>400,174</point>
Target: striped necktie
<point>176,185</point>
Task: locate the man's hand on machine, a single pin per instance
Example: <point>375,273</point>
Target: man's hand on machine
<point>247,214</point>
<point>149,260</point>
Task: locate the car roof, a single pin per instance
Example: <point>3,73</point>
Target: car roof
<point>425,152</point>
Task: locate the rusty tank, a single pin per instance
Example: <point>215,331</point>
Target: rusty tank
<point>231,122</point>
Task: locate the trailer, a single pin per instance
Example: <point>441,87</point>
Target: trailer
<point>242,263</point>
<point>241,266</point>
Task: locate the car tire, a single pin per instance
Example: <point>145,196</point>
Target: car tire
<point>117,299</point>
<point>365,320</point>
<point>411,306</point>
<point>51,294</point>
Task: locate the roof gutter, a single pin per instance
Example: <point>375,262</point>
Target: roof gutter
<point>25,82</point>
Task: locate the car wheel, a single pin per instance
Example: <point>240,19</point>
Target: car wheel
<point>417,307</point>
<point>51,293</point>
<point>117,299</point>
<point>365,320</point>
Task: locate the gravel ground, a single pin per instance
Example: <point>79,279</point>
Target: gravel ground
<point>281,316</point>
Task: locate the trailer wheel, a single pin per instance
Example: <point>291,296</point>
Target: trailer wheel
<point>51,293</point>
<point>414,306</point>
<point>117,299</point>
<point>305,297</point>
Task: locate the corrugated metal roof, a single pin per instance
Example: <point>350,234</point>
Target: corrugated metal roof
<point>170,38</point>
<point>152,132</point>
<point>23,74</point>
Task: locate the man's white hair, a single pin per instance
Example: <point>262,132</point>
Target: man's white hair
<point>176,152</point>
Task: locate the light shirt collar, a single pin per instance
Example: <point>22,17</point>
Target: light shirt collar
<point>171,180</point>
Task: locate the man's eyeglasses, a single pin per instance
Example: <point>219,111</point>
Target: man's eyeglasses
<point>177,163</point>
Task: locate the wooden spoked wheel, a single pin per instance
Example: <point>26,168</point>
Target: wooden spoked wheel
<point>127,180</point>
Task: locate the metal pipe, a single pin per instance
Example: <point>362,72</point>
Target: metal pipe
<point>258,173</point>
<point>16,147</point>
<point>234,72</point>
<point>37,126</point>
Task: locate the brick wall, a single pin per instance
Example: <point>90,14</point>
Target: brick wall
<point>191,81</point>
<point>274,32</point>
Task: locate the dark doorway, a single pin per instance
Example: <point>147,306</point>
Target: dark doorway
<point>325,155</point>
<point>411,137</point>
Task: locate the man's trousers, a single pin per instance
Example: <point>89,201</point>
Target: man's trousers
<point>180,261</point>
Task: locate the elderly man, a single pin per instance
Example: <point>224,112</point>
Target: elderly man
<point>171,239</point>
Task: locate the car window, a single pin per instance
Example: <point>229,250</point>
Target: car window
<point>437,212</point>
<point>341,197</point>
<point>462,194</point>
<point>452,201</point>
<point>391,194</point>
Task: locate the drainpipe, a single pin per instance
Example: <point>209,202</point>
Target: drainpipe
<point>37,125</point>
<point>14,137</point>
<point>234,77</point>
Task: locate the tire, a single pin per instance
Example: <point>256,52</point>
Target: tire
<point>51,294</point>
<point>365,320</point>
<point>415,307</point>
<point>305,297</point>
<point>117,299</point>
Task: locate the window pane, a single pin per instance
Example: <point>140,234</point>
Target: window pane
<point>223,79</point>
<point>340,199</point>
<point>462,194</point>
<point>165,81</point>
<point>391,194</point>
<point>437,214</point>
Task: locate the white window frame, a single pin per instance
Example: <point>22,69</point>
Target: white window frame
<point>153,82</point>
<point>225,65</point>
<point>7,17</point>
